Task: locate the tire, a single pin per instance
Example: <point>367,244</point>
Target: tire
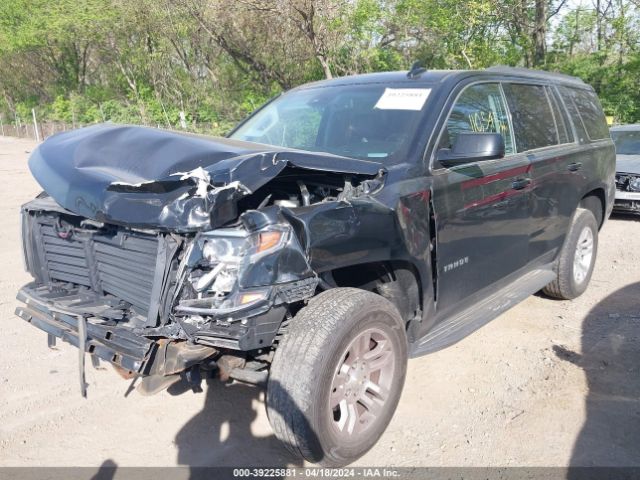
<point>304,381</point>
<point>572,276</point>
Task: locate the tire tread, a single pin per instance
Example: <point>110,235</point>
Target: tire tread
<point>299,351</point>
<point>561,287</point>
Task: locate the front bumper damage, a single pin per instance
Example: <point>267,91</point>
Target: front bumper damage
<point>627,202</point>
<point>64,314</point>
<point>160,361</point>
<point>132,350</point>
<point>50,311</point>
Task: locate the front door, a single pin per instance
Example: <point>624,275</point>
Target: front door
<point>481,208</point>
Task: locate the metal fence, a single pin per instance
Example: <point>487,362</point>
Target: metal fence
<point>28,130</point>
<point>46,129</point>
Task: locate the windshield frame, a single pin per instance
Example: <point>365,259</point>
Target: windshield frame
<point>409,153</point>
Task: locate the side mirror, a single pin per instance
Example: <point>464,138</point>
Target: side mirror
<point>472,147</point>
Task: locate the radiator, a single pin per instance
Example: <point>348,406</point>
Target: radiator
<point>117,262</point>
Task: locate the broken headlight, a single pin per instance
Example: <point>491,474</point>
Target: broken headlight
<point>634,184</point>
<point>224,253</point>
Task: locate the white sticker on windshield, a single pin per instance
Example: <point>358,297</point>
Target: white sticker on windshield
<point>403,98</point>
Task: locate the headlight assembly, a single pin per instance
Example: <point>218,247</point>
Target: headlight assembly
<point>232,246</point>
<point>634,184</point>
<point>225,251</point>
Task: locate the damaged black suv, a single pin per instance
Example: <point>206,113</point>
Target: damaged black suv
<point>344,227</point>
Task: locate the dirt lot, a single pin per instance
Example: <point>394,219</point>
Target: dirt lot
<point>549,383</point>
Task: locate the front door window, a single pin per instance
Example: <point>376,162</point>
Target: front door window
<point>480,108</point>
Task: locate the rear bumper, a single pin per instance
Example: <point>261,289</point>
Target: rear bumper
<point>117,345</point>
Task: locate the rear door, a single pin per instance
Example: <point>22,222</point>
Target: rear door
<point>481,208</point>
<point>596,155</point>
<point>543,134</point>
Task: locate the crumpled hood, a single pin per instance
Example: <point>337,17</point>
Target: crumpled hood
<point>150,178</point>
<point>628,164</point>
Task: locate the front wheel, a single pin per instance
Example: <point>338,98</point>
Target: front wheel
<point>337,376</point>
<point>575,263</point>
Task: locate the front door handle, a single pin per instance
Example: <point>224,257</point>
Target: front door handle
<point>521,183</point>
<point>574,167</point>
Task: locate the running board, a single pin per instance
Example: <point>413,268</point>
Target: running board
<point>456,328</point>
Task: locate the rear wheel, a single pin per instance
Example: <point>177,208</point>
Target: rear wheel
<point>575,263</point>
<point>337,376</point>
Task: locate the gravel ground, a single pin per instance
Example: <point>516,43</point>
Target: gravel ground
<point>549,383</point>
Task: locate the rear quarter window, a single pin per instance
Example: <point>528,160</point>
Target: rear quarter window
<point>565,135</point>
<point>587,108</point>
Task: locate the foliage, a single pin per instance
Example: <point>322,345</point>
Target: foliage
<point>145,61</point>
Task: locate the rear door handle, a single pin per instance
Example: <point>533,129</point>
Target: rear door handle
<point>574,167</point>
<point>521,183</point>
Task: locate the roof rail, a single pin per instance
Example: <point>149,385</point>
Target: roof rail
<point>534,73</point>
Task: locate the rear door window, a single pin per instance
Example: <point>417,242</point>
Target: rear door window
<point>589,110</point>
<point>534,123</point>
<point>480,108</point>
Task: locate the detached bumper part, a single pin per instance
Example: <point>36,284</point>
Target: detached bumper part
<point>118,345</point>
<point>113,344</point>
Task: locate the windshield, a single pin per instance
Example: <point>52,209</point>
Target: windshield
<point>366,122</point>
<point>627,142</point>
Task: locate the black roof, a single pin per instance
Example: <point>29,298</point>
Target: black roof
<point>439,76</point>
<point>529,73</point>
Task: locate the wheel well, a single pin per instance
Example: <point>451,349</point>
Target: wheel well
<point>397,281</point>
<point>595,201</point>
